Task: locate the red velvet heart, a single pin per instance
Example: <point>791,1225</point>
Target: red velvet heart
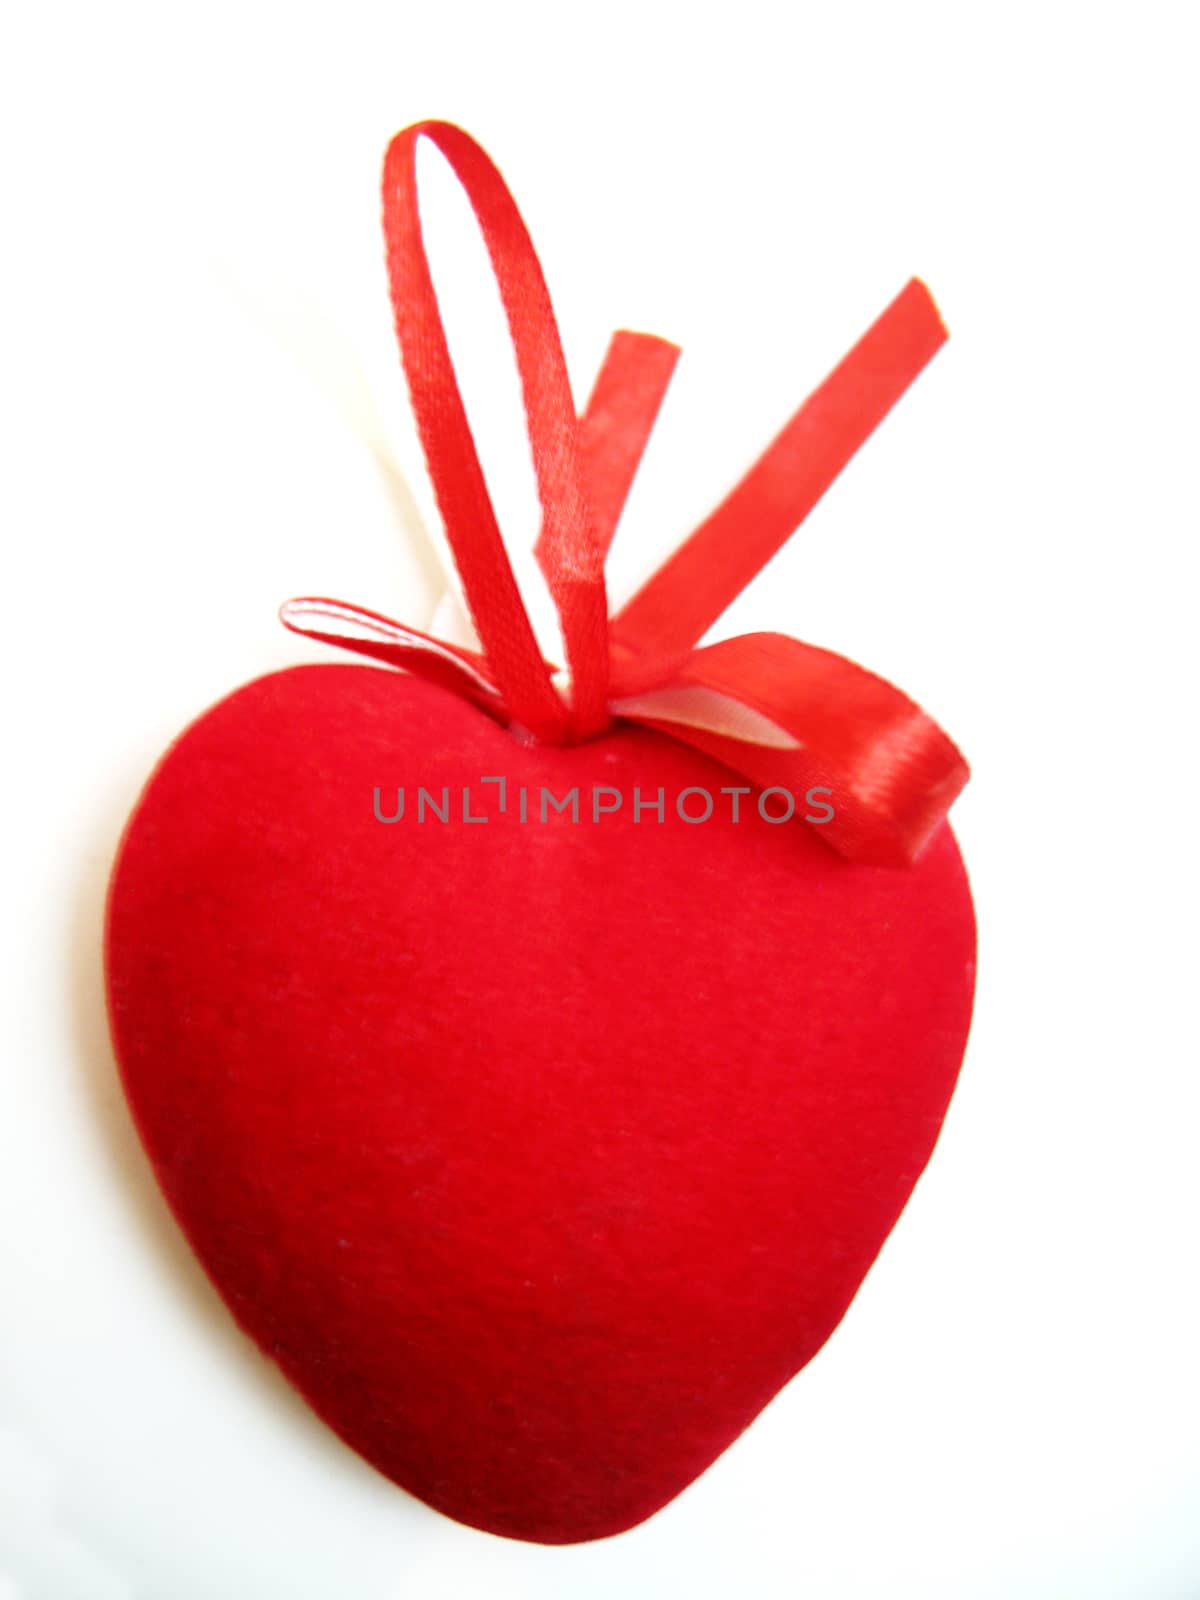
<point>538,1155</point>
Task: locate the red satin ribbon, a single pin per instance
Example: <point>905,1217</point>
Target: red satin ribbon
<point>780,712</point>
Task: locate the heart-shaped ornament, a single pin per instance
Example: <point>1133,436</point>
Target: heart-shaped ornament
<point>537,1075</point>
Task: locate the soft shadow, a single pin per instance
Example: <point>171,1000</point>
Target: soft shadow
<point>408,517</point>
<point>306,337</point>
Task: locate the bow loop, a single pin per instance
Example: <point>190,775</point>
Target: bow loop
<point>784,714</point>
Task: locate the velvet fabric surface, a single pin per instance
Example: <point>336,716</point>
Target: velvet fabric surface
<point>539,1154</point>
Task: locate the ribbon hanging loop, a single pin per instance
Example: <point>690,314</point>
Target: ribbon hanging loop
<point>777,711</point>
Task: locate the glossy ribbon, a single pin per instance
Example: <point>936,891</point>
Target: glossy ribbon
<point>780,712</point>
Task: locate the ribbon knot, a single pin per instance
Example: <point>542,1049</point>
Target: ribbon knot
<point>780,712</point>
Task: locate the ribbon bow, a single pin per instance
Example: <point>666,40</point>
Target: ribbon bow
<point>781,713</point>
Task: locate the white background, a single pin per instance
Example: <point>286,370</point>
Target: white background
<point>203,414</point>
